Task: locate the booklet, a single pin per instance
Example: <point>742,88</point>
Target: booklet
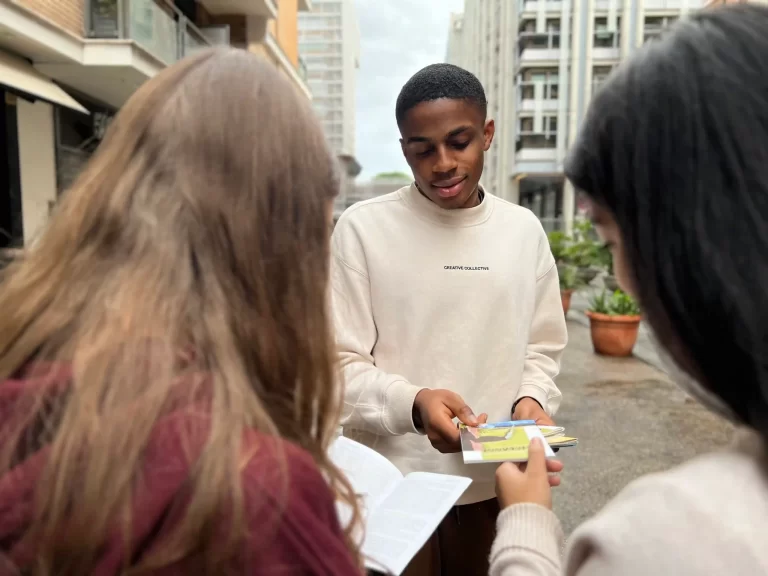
<point>555,437</point>
<point>500,442</point>
<point>399,512</point>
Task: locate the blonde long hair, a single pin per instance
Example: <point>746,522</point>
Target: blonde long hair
<point>200,225</point>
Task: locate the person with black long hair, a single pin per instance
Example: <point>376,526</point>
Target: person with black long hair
<point>672,159</point>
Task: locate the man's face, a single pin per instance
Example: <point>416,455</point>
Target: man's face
<point>443,142</point>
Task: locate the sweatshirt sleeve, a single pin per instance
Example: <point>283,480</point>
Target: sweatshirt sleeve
<point>528,542</point>
<point>547,338</point>
<point>374,400</point>
<point>653,527</point>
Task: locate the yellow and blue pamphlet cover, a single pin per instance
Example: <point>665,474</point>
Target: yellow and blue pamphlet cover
<point>508,441</point>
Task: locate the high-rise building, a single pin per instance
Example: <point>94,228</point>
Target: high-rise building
<point>481,40</point>
<point>540,62</point>
<point>67,66</point>
<point>329,43</point>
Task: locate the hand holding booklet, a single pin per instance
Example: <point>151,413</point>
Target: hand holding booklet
<point>400,513</point>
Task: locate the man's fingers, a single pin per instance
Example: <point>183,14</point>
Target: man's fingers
<point>554,481</point>
<point>460,409</point>
<point>446,430</point>
<point>483,418</point>
<point>545,421</point>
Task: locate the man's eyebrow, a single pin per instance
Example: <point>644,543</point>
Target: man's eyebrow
<point>451,134</point>
<point>458,131</point>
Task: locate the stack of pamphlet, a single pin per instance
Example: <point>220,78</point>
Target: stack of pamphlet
<point>509,441</point>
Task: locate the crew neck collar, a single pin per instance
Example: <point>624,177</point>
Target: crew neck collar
<point>460,217</point>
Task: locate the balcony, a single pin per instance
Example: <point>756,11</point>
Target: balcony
<point>263,8</point>
<point>536,147</point>
<point>538,48</point>
<point>302,69</point>
<point>606,45</point>
<point>537,95</point>
<point>157,26</point>
<point>531,105</point>
<point>297,73</point>
<point>532,6</point>
<point>669,5</point>
<point>128,42</point>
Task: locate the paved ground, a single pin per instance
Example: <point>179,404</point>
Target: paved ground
<point>630,420</point>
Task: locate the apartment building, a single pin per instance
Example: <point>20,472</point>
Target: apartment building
<point>481,40</point>
<point>329,43</point>
<point>541,61</point>
<point>266,27</point>
<point>66,67</point>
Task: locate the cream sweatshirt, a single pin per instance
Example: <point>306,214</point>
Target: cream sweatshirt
<point>465,300</point>
<point>708,517</point>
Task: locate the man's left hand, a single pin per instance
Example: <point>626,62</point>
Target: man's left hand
<point>529,409</point>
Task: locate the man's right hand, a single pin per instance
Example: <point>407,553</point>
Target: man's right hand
<point>434,411</point>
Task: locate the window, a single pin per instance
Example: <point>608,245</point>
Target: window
<point>654,25</point>
<point>550,123</point>
<point>553,24</point>
<point>549,79</point>
<point>605,35</point>
<point>538,141</point>
<point>599,75</point>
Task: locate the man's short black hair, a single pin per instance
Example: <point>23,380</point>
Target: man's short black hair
<point>440,81</point>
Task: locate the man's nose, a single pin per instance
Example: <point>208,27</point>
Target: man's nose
<point>445,161</point>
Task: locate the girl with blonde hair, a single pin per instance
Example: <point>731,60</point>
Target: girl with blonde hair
<point>168,384</point>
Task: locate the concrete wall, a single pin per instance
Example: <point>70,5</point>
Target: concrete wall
<point>69,14</point>
<point>37,165</point>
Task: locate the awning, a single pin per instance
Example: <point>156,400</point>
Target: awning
<point>19,76</point>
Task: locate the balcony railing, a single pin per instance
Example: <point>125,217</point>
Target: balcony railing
<point>155,25</point>
<point>302,69</point>
<point>533,5</point>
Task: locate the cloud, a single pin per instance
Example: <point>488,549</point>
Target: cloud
<point>397,38</point>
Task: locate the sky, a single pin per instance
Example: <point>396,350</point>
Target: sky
<point>397,38</point>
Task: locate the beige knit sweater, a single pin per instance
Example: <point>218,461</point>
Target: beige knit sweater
<point>708,517</point>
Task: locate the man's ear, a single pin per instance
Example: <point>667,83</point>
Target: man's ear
<point>488,132</point>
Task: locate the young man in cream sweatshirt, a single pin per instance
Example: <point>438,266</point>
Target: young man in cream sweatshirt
<point>446,302</point>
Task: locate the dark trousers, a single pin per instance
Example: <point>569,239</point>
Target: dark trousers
<point>461,545</point>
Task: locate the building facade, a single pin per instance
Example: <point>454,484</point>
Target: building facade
<point>329,43</point>
<point>67,66</point>
<point>540,62</point>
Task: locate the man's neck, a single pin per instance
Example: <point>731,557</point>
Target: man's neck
<point>474,200</point>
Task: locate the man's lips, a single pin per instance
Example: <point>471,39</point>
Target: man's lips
<point>449,188</point>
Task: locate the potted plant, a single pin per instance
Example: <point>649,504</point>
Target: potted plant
<point>584,252</point>
<point>560,244</point>
<point>569,283</point>
<point>614,321</point>
<point>606,263</point>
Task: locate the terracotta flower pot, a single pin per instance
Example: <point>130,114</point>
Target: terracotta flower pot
<point>613,335</point>
<point>565,298</point>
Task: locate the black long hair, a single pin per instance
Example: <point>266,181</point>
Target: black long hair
<point>675,146</point>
